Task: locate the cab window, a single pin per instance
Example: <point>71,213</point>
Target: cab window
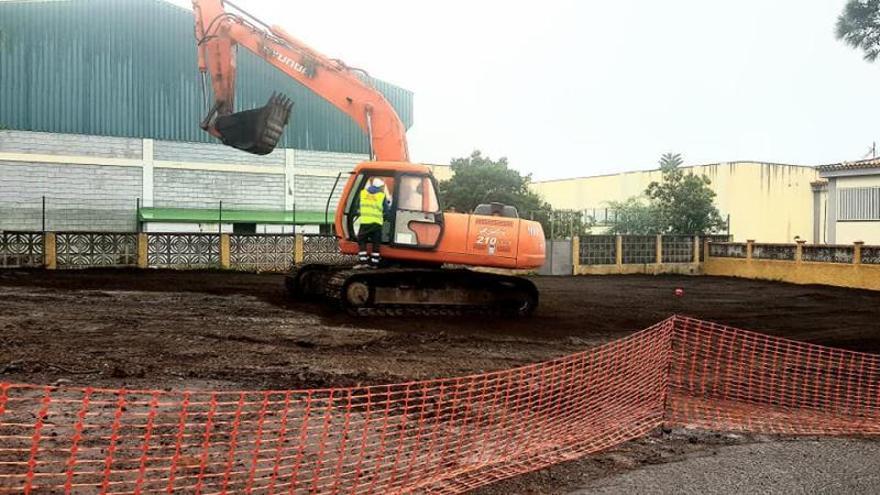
<point>417,193</point>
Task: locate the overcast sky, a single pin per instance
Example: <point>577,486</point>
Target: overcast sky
<point>573,88</point>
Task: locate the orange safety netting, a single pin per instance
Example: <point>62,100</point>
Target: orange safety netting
<point>437,436</point>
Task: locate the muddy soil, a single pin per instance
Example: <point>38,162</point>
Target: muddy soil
<point>175,330</point>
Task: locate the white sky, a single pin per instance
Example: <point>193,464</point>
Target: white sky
<point>572,88</point>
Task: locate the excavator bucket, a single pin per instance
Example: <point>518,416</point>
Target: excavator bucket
<point>256,131</point>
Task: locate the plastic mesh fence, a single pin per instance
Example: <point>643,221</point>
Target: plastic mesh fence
<point>730,379</point>
<point>439,436</point>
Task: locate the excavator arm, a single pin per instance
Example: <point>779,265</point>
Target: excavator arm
<point>258,131</point>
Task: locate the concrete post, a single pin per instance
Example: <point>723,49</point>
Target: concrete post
<point>224,251</point>
<point>143,260</point>
<point>298,243</point>
<point>575,255</point>
<point>750,245</point>
<point>659,256</point>
<point>50,260</point>
<point>697,249</point>
<point>706,253</point>
<point>619,251</point>
<point>799,251</point>
<point>857,252</point>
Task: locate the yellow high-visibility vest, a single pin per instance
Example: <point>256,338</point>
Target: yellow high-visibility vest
<point>372,207</point>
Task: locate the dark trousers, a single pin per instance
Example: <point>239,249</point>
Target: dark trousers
<point>369,233</point>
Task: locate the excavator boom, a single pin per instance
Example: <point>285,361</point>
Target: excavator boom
<point>418,237</point>
<point>219,31</point>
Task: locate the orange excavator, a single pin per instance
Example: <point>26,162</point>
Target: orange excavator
<point>427,253</point>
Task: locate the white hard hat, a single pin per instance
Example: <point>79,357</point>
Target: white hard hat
<point>377,182</point>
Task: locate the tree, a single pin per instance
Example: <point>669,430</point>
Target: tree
<point>670,160</point>
<point>683,203</point>
<point>679,204</point>
<point>478,179</point>
<point>564,224</point>
<point>633,217</point>
<point>859,27</point>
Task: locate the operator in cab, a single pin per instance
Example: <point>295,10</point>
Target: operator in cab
<point>374,204</point>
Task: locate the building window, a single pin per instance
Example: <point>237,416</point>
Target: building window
<point>859,203</point>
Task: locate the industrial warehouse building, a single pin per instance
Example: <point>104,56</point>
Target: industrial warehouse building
<point>100,104</point>
<point>769,202</point>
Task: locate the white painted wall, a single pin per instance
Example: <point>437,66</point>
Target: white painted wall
<point>865,231</point>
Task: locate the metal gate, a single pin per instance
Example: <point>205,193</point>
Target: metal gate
<point>558,260</point>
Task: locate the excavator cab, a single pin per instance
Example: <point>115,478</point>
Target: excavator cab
<point>414,219</point>
<point>255,131</point>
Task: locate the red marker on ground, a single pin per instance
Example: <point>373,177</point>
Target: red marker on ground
<point>679,292</point>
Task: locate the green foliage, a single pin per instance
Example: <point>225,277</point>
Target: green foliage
<point>679,204</point>
<point>479,179</point>
<point>563,224</point>
<point>684,203</point>
<point>859,27</point>
<point>670,160</point>
<point>634,217</point>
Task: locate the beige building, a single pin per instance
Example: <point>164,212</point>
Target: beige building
<point>768,202</point>
<point>847,203</point>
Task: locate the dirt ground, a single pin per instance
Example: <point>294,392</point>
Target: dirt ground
<point>175,330</point>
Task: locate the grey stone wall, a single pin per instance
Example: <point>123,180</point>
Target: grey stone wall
<point>327,160</point>
<point>78,197</point>
<point>103,197</point>
<point>311,190</point>
<point>70,144</point>
<point>205,189</point>
<point>212,153</point>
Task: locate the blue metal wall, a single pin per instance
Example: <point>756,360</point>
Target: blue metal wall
<point>128,68</point>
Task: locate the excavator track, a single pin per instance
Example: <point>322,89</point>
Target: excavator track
<point>414,291</point>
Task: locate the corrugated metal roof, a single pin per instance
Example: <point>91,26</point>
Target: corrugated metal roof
<point>128,68</point>
<point>856,165</point>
